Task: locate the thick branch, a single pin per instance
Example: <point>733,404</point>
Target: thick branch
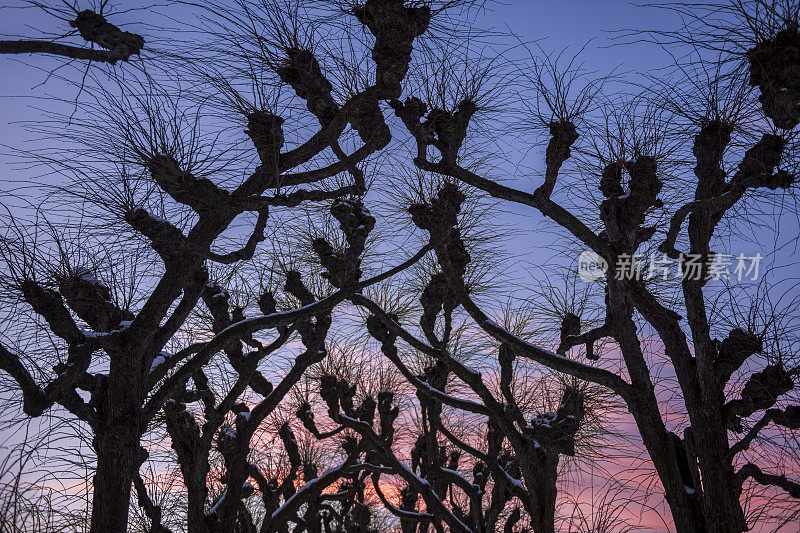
<point>249,249</point>
<point>48,47</point>
<point>37,400</point>
<point>789,418</point>
<point>776,480</point>
<point>543,203</point>
<point>546,357</point>
<point>236,331</point>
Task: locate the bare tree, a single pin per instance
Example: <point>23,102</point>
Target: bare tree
<point>205,279</point>
<point>700,473</point>
<point>526,469</point>
<point>115,349</point>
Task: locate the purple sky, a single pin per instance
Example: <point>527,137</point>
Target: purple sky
<point>568,23</point>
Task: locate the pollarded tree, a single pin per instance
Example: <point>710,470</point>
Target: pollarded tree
<point>193,437</point>
<point>152,172</point>
<point>473,481</point>
<point>516,460</point>
<point>738,158</point>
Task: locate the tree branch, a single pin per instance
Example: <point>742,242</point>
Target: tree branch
<point>750,470</point>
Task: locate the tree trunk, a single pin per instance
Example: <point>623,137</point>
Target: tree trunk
<point>721,506</point>
<point>117,443</point>
<point>117,452</point>
<point>684,505</point>
<point>543,493</point>
<point>197,500</point>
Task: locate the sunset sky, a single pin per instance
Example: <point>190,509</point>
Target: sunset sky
<point>597,26</point>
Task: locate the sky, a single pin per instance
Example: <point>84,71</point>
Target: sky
<point>24,86</point>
